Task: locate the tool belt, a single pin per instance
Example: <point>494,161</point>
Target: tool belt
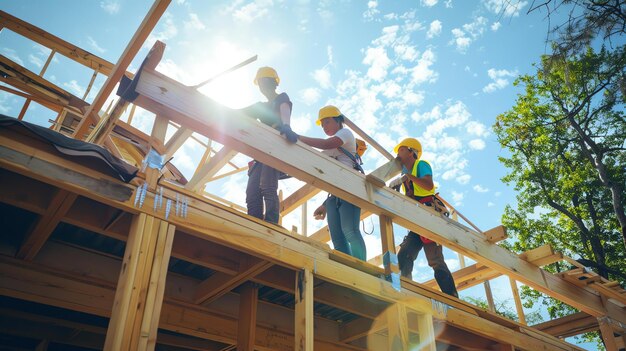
<point>433,201</point>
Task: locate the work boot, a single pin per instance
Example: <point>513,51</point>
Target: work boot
<point>446,282</point>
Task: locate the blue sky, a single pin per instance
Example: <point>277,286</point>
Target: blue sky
<point>440,71</point>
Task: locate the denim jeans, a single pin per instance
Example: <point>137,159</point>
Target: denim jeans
<point>343,223</point>
<point>263,189</point>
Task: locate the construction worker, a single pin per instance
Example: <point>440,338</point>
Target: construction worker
<point>417,177</point>
<point>343,217</point>
<point>262,188</point>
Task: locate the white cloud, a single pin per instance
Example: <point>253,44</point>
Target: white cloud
<point>429,3</point>
<point>74,88</point>
<point>463,179</point>
<point>477,144</point>
<point>476,128</point>
<point>372,10</point>
<point>329,54</point>
<point>302,123</point>
<point>455,115</point>
<point>252,11</point>
<point>310,96</point>
<point>509,8</point>
<point>422,72</point>
<point>378,61</point>
<point>479,189</point>
<point>463,37</point>
<point>433,114</point>
<point>498,78</point>
<point>94,45</point>
<point>434,29</point>
<point>37,61</point>
<point>322,77</point>
<point>498,193</point>
<point>448,4</point>
<point>457,198</point>
<point>110,6</point>
<point>194,22</point>
<point>495,26</point>
<point>167,30</point>
<point>490,204</point>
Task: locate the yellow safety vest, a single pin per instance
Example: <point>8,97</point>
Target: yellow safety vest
<point>418,191</point>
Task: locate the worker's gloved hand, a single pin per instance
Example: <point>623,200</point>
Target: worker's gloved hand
<point>289,134</point>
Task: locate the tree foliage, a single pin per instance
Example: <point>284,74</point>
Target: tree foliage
<point>566,138</point>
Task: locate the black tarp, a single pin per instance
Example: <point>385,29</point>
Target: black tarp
<point>74,148</point>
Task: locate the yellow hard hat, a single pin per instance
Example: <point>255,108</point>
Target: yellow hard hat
<point>327,112</point>
<point>360,147</point>
<point>266,72</point>
<point>411,143</point>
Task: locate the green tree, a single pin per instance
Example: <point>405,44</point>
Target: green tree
<point>565,136</point>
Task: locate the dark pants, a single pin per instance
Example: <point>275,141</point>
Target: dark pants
<point>410,248</point>
<point>263,189</point>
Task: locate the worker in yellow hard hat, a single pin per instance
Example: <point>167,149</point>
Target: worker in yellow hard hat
<point>417,182</point>
<point>262,188</point>
<point>343,217</point>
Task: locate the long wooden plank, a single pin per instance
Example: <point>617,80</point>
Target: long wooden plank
<point>55,43</point>
<point>136,42</point>
<point>58,207</point>
<point>303,338</point>
<point>210,169</point>
<point>248,300</point>
<point>219,283</point>
<point>297,198</point>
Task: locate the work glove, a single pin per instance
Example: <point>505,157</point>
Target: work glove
<point>289,134</point>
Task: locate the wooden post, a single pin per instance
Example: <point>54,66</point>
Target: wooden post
<point>492,306</point>
<point>139,294</point>
<point>304,218</point>
<point>518,302</point>
<point>390,261</point>
<point>248,301</point>
<point>398,328</point>
<point>607,334</point>
<point>426,333</point>
<point>41,73</point>
<point>304,311</point>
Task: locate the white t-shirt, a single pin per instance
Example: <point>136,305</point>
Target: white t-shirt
<point>349,143</point>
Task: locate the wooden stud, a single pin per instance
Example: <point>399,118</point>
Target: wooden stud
<point>246,327</point>
<point>607,334</point>
<point>176,141</point>
<point>426,332</point>
<point>490,302</point>
<point>518,302</point>
<point>398,328</point>
<point>136,42</point>
<point>297,198</point>
<point>58,207</point>
<point>304,311</point>
<point>388,247</point>
<point>211,168</point>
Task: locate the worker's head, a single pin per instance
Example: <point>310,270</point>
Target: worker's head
<point>330,118</point>
<point>409,146</point>
<point>267,79</point>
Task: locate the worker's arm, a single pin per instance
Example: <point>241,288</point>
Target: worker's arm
<point>324,144</point>
<point>285,113</point>
<point>425,182</point>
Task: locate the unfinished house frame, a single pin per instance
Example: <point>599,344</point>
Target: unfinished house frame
<point>89,261</point>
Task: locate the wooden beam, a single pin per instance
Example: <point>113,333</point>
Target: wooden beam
<point>58,207</point>
<point>571,325</point>
<point>139,295</point>
<point>146,26</point>
<point>304,336</point>
<point>219,283</point>
<point>176,141</point>
<point>297,198</point>
<point>607,334</point>
<point>367,138</point>
<point>248,300</point>
<point>397,328</point>
<point>55,43</point>
<point>518,302</point>
<point>541,255</point>
<point>210,169</point>
<point>496,234</point>
<point>390,262</point>
<point>427,335</point>
<point>38,87</point>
